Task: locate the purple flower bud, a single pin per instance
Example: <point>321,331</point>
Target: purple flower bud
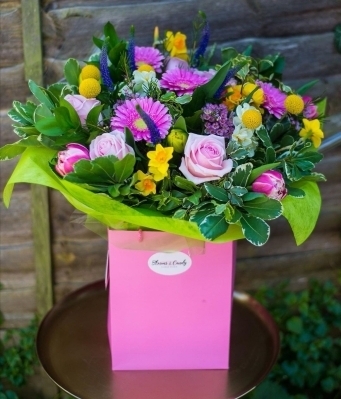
<point>270,183</point>
<point>67,158</point>
<point>310,109</point>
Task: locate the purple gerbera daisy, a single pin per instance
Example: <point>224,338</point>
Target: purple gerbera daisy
<point>150,56</point>
<point>126,115</point>
<point>183,81</point>
<point>273,99</point>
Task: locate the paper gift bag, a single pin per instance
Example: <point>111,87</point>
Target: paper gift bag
<point>170,301</point>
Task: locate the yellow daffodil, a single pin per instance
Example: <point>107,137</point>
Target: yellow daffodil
<point>157,174</point>
<point>146,184</point>
<point>175,44</point>
<point>158,164</point>
<point>233,97</point>
<point>156,34</point>
<point>312,131</point>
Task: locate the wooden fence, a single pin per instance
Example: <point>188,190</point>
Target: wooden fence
<point>43,255</point>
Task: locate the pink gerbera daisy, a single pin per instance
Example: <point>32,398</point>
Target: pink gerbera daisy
<point>183,81</point>
<point>273,99</point>
<point>126,115</point>
<point>150,56</point>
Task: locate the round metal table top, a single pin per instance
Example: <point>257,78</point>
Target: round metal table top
<point>73,348</point>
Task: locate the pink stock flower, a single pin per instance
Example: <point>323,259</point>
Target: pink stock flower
<point>270,183</point>
<point>205,158</point>
<point>67,158</point>
<point>310,109</point>
<point>82,105</point>
<point>112,143</point>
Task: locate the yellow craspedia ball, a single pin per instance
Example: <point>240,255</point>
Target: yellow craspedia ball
<point>294,104</point>
<point>90,71</point>
<point>252,119</point>
<point>89,88</point>
<point>145,68</point>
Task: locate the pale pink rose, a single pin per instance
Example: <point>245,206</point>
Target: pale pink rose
<point>112,143</point>
<point>67,158</point>
<point>82,105</point>
<point>176,63</point>
<point>270,183</point>
<point>205,158</point>
<point>310,109</point>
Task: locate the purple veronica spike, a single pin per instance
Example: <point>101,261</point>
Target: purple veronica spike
<point>230,74</point>
<point>200,51</point>
<point>155,136</point>
<point>103,65</point>
<point>131,52</point>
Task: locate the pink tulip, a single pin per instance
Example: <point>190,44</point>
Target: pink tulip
<point>67,158</point>
<point>310,109</point>
<point>270,183</point>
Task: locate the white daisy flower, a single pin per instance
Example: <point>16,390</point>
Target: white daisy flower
<point>247,117</point>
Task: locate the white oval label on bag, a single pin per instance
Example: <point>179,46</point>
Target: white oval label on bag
<point>169,263</point>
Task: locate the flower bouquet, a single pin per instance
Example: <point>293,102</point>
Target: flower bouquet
<point>163,138</point>
<point>160,138</point>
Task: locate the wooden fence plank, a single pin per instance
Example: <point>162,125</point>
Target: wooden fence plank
<point>40,208</point>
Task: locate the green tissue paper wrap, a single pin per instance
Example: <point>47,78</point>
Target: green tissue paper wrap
<point>33,167</point>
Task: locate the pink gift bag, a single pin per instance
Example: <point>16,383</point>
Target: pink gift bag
<point>170,301</point>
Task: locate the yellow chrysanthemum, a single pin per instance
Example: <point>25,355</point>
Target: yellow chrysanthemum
<point>257,96</point>
<point>294,104</point>
<point>312,131</point>
<point>146,184</point>
<point>233,97</point>
<point>89,88</point>
<point>145,68</point>
<point>252,119</point>
<point>176,44</point>
<point>90,71</point>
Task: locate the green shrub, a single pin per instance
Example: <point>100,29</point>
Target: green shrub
<point>17,357</point>
<point>309,365</point>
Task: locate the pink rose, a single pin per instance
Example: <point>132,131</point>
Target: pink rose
<point>82,105</point>
<point>67,158</point>
<point>112,143</point>
<point>176,63</point>
<point>310,109</point>
<point>205,158</point>
<point>270,183</point>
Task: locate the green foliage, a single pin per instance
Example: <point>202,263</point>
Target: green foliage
<point>310,327</point>
<point>17,355</point>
